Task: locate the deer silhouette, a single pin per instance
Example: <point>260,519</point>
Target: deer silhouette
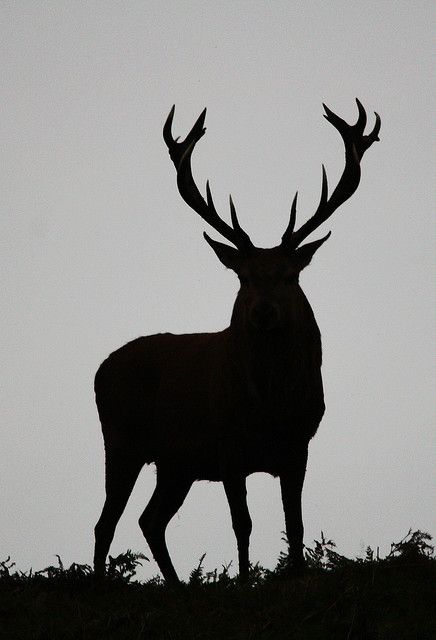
<point>221,406</point>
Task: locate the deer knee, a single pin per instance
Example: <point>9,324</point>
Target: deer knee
<point>145,524</point>
<point>104,530</point>
<point>152,527</point>
<point>242,527</point>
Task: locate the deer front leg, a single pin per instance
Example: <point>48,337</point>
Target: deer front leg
<point>291,483</point>
<point>236,493</point>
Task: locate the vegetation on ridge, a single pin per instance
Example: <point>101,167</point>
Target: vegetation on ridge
<point>337,597</point>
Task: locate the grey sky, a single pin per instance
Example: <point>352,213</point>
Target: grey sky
<point>98,248</point>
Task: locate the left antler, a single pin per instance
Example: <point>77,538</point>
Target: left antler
<point>355,146</point>
<point>180,153</point>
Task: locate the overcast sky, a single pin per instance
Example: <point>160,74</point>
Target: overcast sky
<point>97,247</point>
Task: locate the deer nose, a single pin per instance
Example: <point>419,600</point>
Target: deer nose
<point>264,315</point>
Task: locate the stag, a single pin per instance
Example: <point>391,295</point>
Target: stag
<point>221,406</point>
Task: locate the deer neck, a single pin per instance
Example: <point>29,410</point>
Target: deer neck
<point>273,361</point>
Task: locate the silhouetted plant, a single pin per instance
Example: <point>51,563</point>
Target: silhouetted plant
<point>220,577</point>
<point>369,555</point>
<point>124,566</point>
<point>322,556</point>
<point>74,574</point>
<point>414,547</point>
<point>5,567</point>
<point>197,575</point>
<point>336,598</point>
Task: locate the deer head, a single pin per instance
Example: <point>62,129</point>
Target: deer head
<point>268,275</point>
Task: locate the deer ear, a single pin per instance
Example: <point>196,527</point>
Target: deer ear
<point>229,256</point>
<point>304,254</point>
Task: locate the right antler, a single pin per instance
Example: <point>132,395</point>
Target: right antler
<point>355,146</point>
<point>180,154</point>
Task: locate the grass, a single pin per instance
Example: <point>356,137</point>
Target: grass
<point>392,598</point>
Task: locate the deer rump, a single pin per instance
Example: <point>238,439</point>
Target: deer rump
<point>187,401</point>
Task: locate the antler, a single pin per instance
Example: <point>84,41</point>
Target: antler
<point>355,146</point>
<point>180,154</point>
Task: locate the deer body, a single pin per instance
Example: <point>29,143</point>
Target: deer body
<point>220,406</point>
<point>212,391</point>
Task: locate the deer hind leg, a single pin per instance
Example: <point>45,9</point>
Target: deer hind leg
<point>291,482</point>
<point>236,493</point>
<point>121,474</point>
<point>171,490</point>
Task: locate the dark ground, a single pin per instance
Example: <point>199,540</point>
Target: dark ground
<point>381,599</point>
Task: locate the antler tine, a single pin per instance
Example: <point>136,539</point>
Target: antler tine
<point>355,146</point>
<point>237,227</point>
<point>177,149</point>
<point>286,237</point>
<point>361,120</point>
<point>180,153</point>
